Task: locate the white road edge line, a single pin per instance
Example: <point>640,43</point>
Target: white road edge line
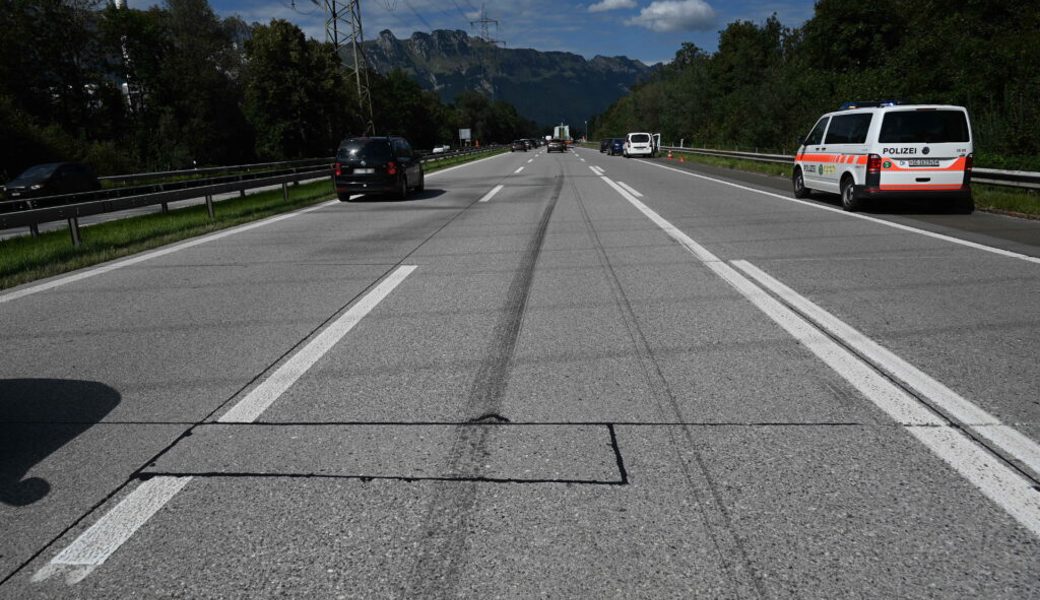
<point>489,195</point>
<point>995,479</point>
<point>262,396</point>
<point>111,531</point>
<point>518,170</point>
<point>900,226</point>
<point>986,425</point>
<point>630,189</point>
<point>97,543</point>
<point>139,258</point>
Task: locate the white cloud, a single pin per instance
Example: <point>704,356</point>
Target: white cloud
<point>611,5</point>
<point>675,15</point>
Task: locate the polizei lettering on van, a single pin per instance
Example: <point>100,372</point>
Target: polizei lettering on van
<point>899,151</point>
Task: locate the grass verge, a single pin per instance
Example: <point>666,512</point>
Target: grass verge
<point>24,259</point>
<point>1014,201</point>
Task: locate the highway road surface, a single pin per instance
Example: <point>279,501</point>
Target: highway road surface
<point>560,376</point>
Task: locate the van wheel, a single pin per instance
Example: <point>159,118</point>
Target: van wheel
<point>964,206</point>
<point>798,182</point>
<point>849,201</point>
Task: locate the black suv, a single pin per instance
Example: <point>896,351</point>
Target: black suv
<point>51,179</point>
<point>377,165</point>
<point>518,145</point>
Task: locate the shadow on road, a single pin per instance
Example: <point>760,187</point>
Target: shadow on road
<point>37,417</point>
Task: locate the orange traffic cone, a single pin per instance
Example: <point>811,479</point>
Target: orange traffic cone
<point>682,158</point>
<point>669,155</point>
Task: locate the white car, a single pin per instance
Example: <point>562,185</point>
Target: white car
<point>638,144</point>
<point>884,149</point>
<point>441,149</point>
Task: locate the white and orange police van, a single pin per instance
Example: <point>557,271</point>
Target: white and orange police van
<point>870,150</point>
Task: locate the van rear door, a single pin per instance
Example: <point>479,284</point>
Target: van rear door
<point>924,149</point>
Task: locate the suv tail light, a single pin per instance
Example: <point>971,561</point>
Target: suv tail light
<point>391,168</point>
<point>338,169</point>
<point>873,163</point>
<point>969,164</point>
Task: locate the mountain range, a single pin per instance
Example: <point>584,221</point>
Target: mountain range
<point>546,87</point>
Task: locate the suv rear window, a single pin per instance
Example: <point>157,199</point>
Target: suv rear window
<point>370,150</point>
<point>924,127</point>
<point>849,129</point>
<point>640,138</point>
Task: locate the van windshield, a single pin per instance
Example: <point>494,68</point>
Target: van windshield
<point>924,127</point>
<point>368,150</point>
<point>640,138</point>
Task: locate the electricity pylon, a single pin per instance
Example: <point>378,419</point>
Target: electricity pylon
<point>341,18</point>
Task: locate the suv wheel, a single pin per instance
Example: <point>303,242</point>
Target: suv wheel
<point>798,182</point>
<point>402,191</point>
<point>422,182</point>
<point>849,201</point>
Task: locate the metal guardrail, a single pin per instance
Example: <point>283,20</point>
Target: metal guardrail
<point>205,188</point>
<point>1022,179</point>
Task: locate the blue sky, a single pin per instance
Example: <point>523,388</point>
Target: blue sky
<point>648,30</point>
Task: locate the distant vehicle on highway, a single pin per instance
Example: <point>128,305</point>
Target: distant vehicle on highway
<point>617,146</point>
<point>556,145</point>
<point>639,144</point>
<point>441,149</point>
<point>518,146</point>
<point>51,179</point>
<point>869,150</point>
<point>604,145</point>
<point>377,165</point>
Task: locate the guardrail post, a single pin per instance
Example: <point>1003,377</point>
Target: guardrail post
<point>285,192</point>
<point>164,208</point>
<point>209,207</point>
<point>74,230</point>
<point>34,230</point>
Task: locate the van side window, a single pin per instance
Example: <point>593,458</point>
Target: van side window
<point>815,136</point>
<point>849,129</point>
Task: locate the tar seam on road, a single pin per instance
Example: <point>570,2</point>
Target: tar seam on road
<point>997,479</point>
<point>978,423</point>
<point>93,547</point>
<point>140,258</point>
<point>366,478</point>
<point>714,516</point>
<point>443,540</point>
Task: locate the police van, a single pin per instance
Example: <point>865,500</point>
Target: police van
<point>869,150</point>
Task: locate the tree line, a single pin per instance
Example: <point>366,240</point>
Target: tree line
<point>176,86</point>
<point>766,84</point>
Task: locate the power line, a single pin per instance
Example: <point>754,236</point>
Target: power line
<point>418,16</point>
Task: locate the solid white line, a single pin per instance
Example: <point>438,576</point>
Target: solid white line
<point>96,544</point>
<point>597,170</point>
<point>262,396</point>
<point>530,160</point>
<point>140,258</point>
<point>518,170</point>
<point>630,189</point>
<point>997,481</point>
<point>924,232</point>
<point>488,195</point>
<point>103,538</point>
<point>1011,441</point>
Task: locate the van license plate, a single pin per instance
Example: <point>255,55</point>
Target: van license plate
<point>367,171</point>
<point>924,162</point>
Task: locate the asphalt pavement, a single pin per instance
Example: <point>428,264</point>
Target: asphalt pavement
<point>547,375</point>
